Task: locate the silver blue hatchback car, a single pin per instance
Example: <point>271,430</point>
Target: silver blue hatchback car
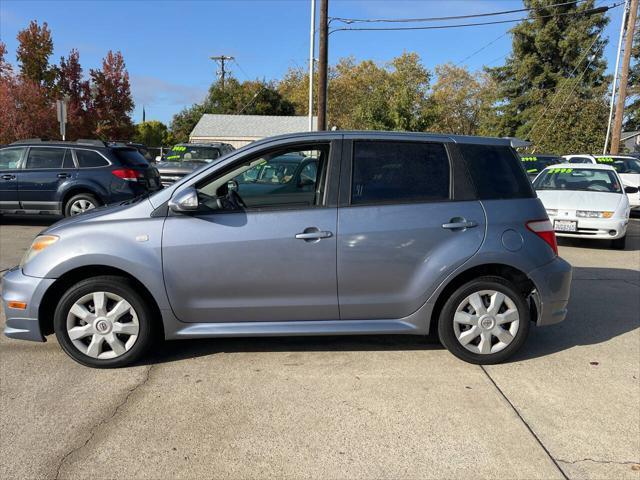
<point>307,234</point>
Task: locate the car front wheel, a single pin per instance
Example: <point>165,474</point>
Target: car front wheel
<point>103,322</point>
<point>485,321</point>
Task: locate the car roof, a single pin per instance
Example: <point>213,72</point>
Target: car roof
<point>616,156</point>
<point>36,142</point>
<point>201,144</point>
<point>577,166</point>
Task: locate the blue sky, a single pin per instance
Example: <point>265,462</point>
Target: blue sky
<point>167,43</point>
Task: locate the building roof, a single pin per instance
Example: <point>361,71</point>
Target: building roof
<point>225,126</point>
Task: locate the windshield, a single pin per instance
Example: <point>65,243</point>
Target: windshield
<point>621,164</point>
<point>192,153</point>
<point>537,163</point>
<point>578,179</point>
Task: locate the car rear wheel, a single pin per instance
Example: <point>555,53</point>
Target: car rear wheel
<point>485,321</point>
<point>103,322</point>
<point>80,203</point>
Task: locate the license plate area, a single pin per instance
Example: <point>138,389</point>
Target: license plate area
<point>565,226</point>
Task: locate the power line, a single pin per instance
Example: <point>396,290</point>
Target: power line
<point>482,48</point>
<point>591,11</point>
<point>455,17</point>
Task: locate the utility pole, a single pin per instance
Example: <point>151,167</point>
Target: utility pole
<point>312,50</point>
<point>322,64</point>
<point>624,76</point>
<point>615,76</point>
<point>222,72</point>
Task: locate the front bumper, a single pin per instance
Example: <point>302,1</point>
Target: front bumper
<point>16,286</point>
<point>553,285</point>
<point>596,228</point>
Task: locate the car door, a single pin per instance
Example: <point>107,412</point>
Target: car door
<point>10,159</point>
<point>274,260</point>
<point>44,170</point>
<point>401,230</point>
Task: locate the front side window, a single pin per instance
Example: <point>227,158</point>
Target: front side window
<point>578,179</point>
<point>90,159</point>
<point>399,172</point>
<point>43,157</point>
<point>292,178</point>
<point>10,157</point>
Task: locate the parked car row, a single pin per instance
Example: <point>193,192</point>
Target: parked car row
<point>184,158</point>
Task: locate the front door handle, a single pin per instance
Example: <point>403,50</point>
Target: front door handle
<point>459,223</point>
<point>312,233</point>
<point>8,177</point>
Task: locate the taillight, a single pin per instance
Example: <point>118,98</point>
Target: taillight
<point>128,174</point>
<point>544,229</point>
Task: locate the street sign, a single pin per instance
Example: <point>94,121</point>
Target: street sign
<point>61,111</point>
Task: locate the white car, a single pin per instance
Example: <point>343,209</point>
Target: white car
<point>627,167</point>
<point>586,201</point>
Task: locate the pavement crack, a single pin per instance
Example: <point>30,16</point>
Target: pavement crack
<point>103,422</point>
<point>598,461</point>
<point>542,445</point>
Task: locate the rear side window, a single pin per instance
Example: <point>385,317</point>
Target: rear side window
<point>90,159</point>
<point>43,157</point>
<point>496,172</point>
<point>10,157</point>
<point>399,172</point>
<point>130,157</point>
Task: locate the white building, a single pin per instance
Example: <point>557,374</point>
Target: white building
<point>238,130</point>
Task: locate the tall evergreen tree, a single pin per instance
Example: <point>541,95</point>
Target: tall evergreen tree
<point>557,58</point>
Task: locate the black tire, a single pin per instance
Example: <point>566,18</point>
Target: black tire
<point>619,243</point>
<point>447,333</point>
<point>88,197</point>
<point>122,287</point>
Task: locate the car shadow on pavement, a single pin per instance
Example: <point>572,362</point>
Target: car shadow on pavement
<point>604,304</point>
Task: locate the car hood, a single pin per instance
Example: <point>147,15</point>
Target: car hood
<point>630,179</point>
<point>573,200</point>
<point>131,209</point>
<point>179,167</point>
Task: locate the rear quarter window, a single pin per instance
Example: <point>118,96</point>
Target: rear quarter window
<point>497,172</point>
<point>90,159</point>
<point>399,172</point>
<point>130,157</point>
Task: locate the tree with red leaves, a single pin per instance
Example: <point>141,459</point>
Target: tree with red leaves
<point>34,49</point>
<point>70,84</point>
<point>112,101</point>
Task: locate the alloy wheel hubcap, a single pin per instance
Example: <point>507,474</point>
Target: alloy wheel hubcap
<point>80,206</point>
<point>486,322</point>
<point>102,325</point>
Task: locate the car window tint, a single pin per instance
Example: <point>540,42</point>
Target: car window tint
<point>285,179</point>
<point>43,157</point>
<point>130,157</point>
<point>68,160</point>
<point>496,172</point>
<point>90,159</point>
<point>396,172</point>
<point>578,179</point>
<point>10,157</point>
<point>580,160</point>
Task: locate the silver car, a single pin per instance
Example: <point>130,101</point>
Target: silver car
<point>307,234</point>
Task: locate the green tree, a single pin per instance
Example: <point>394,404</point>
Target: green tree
<point>556,61</point>
<point>632,111</point>
<point>184,122</point>
<point>112,101</point>
<point>152,133</point>
<point>35,46</point>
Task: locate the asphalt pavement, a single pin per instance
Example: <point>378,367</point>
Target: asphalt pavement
<point>567,406</point>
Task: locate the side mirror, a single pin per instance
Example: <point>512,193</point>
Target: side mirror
<point>158,158</point>
<point>630,189</point>
<point>185,201</point>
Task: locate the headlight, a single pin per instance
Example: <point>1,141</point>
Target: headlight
<point>552,212</point>
<point>593,214</point>
<point>40,243</point>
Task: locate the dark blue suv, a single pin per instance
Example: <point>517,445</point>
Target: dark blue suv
<point>71,177</point>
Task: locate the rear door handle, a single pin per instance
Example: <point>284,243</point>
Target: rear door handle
<point>313,234</point>
<point>8,177</point>
<point>459,224</point>
<point>63,175</point>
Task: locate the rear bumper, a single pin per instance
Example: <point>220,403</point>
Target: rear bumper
<point>16,286</point>
<point>553,285</point>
